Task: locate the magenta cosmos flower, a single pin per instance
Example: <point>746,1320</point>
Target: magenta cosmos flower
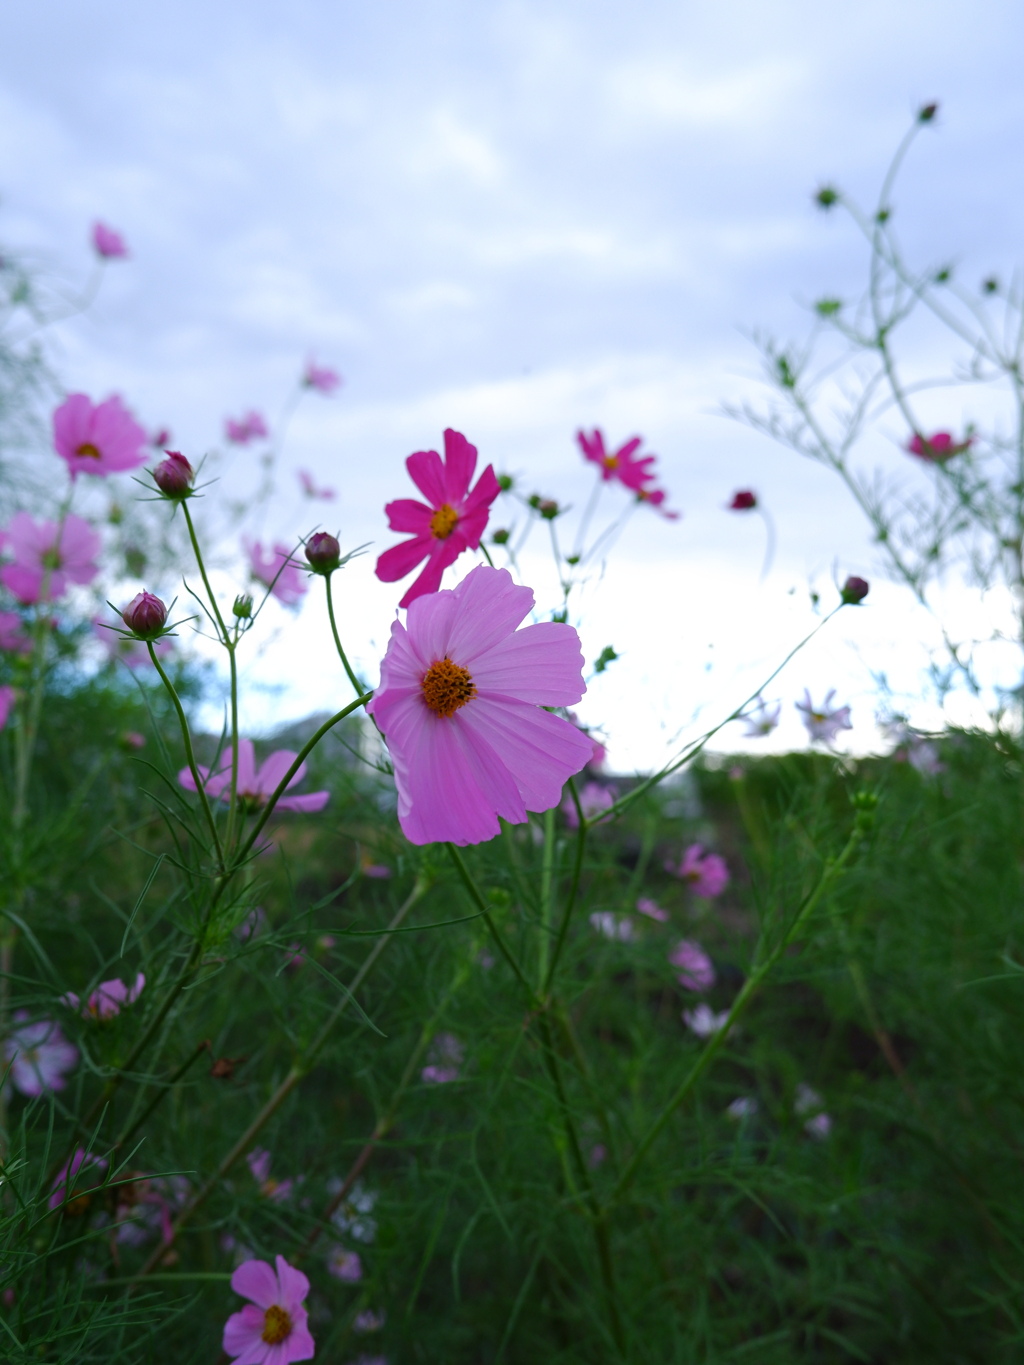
<point>452,520</point>
<point>8,696</point>
<point>938,447</point>
<point>66,1185</point>
<point>320,377</point>
<point>251,427</point>
<point>617,464</point>
<point>311,489</point>
<point>107,243</point>
<point>39,1055</point>
<point>272,1329</point>
<point>256,785</point>
<point>461,703</point>
<point>12,638</point>
<point>277,570</point>
<point>107,999</point>
<point>706,873</point>
<point>696,972</point>
<point>98,438</point>
<point>48,555</point>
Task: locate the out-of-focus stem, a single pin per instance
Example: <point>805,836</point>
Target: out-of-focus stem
<point>546,897</point>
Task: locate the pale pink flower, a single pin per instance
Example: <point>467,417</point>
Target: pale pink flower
<point>97,438</point>
<point>272,1329</point>
<point>107,999</point>
<point>452,520</point>
<point>251,427</point>
<point>706,873</point>
<point>617,464</point>
<point>8,696</point>
<point>651,909</point>
<point>346,1266</point>
<point>696,971</point>
<point>258,1162</point>
<point>368,1321</point>
<point>256,785</point>
<point>594,799</point>
<point>48,555</point>
<point>310,488</point>
<point>703,1021</point>
<point>613,926</point>
<point>824,722</point>
<point>39,1055</point>
<point>761,719</point>
<point>655,497</point>
<point>819,1125</point>
<point>320,377</point>
<point>277,570</point>
<point>938,447</point>
<point>107,243</point>
<point>444,1058</point>
<point>66,1185</point>
<point>598,1156</point>
<point>377,871</point>
<point>461,703</point>
<point>13,640</point>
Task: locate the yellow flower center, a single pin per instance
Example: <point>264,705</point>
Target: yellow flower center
<point>610,461</point>
<point>443,522</point>
<point>446,687</point>
<point>276,1325</point>
<point>88,451</point>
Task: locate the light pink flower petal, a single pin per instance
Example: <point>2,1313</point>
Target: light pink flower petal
<point>460,461</point>
<point>273,769</point>
<point>439,797</point>
<point>294,1286</point>
<point>309,801</point>
<point>484,608</point>
<point>427,473</point>
<point>298,1345</point>
<point>243,1335</point>
<point>541,664</point>
<point>540,750</point>
<point>256,1280</point>
<point>71,423</point>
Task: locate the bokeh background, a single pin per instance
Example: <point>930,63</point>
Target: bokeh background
<point>516,219</point>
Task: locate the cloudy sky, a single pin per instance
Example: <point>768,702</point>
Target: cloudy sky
<point>515,218</point>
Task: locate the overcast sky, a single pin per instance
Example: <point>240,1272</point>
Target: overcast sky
<point>515,219</point>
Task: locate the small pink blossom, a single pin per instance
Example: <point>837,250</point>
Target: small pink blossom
<point>8,696</point>
<point>242,430</point>
<point>39,1055</point>
<point>258,1162</point>
<point>13,640</point>
<point>706,873</point>
<point>64,1185</point>
<point>612,926</point>
<point>696,971</point>
<point>825,722</point>
<point>598,1156</point>
<point>368,1321</point>
<point>461,707</point>
<point>651,909</point>
<point>48,555</point>
<point>309,487</point>
<point>320,377</point>
<point>620,464</point>
<point>108,244</point>
<point>938,447</point>
<point>273,1328</point>
<point>761,719</point>
<point>594,799</point>
<point>445,1059</point>
<point>346,1266</point>
<point>277,570</point>
<point>256,785</point>
<point>655,497</point>
<point>703,1021</point>
<point>743,1107</point>
<point>97,438</point>
<point>107,999</point>
<point>377,871</point>
<point>452,520</point>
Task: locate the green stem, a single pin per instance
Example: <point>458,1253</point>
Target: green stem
<point>357,685</point>
<point>481,905</point>
<point>546,898</point>
<point>574,886</point>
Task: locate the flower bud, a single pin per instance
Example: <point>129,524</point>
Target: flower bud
<point>243,606</point>
<point>505,482</point>
<point>854,590</point>
<point>927,112</point>
<point>743,501</point>
<point>323,552</point>
<point>174,476</point>
<point>548,508</point>
<point>826,197</point>
<point>145,615</point>
<point>500,537</point>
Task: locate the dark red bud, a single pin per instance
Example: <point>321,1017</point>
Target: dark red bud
<point>323,552</point>
<point>174,476</point>
<point>145,615</point>
<point>743,501</point>
<point>854,590</point>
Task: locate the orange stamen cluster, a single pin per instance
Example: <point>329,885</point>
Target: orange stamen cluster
<point>443,522</point>
<point>88,451</point>
<point>446,687</point>
<point>276,1325</point>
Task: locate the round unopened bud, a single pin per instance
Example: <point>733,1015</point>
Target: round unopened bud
<point>743,501</point>
<point>854,590</point>
<point>243,606</point>
<point>826,197</point>
<point>505,482</point>
<point>323,552</point>
<point>927,112</point>
<point>174,476</point>
<point>500,537</point>
<point>548,508</point>
<point>145,615</point>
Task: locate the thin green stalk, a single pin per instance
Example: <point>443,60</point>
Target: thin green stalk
<point>481,905</point>
<point>546,898</point>
<point>165,1088</point>
<point>356,684</point>
<point>574,886</point>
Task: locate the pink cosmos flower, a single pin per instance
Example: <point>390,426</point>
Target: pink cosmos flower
<point>707,873</point>
<point>48,556</point>
<point>618,464</point>
<point>7,700</point>
<point>258,1162</point>
<point>39,1055</point>
<point>311,490</point>
<point>256,785</point>
<point>445,1059</point>
<point>593,798</point>
<point>656,498</point>
<point>937,448</point>
<point>743,501</point>
<point>64,1184</point>
<point>107,243</point>
<point>461,703</point>
<point>377,871</point>
<point>703,1021</point>
<point>97,438</point>
<point>277,570</point>
<point>107,999</point>
<point>824,722</point>
<point>452,520</point>
<point>12,638</point>
<point>696,971</point>
<point>651,909</point>
<point>272,1329</point>
<point>743,1107</point>
<point>251,427</point>
<point>346,1266</point>
<point>320,377</point>
<point>761,719</point>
